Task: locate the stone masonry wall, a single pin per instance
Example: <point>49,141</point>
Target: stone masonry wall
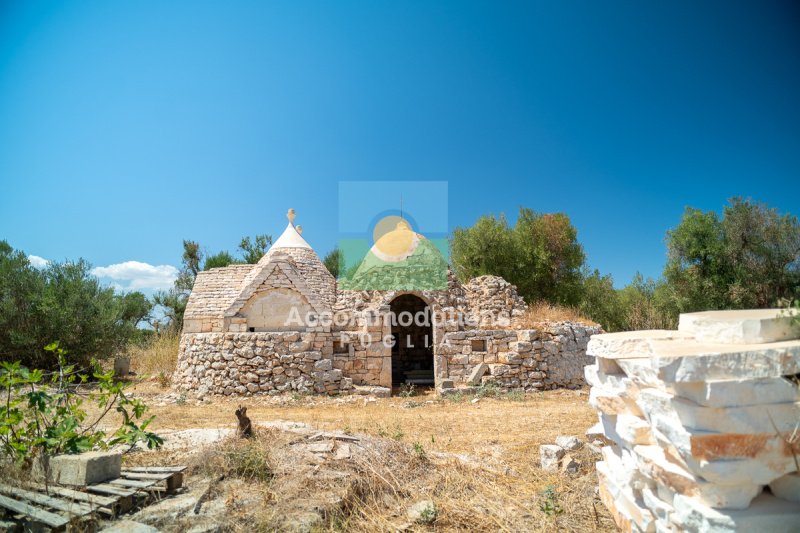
<point>253,363</point>
<point>530,359</point>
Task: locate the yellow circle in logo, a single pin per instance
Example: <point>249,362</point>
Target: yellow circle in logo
<point>394,239</point>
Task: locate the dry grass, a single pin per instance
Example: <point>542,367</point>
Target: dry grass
<point>477,461</point>
<point>540,312</point>
<point>158,356</point>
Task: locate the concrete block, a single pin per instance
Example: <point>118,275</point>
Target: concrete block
<point>84,468</point>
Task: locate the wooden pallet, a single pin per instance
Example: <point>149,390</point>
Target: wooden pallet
<point>56,507</point>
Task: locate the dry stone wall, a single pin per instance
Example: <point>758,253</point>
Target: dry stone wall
<point>493,302</point>
<point>531,359</point>
<point>258,363</point>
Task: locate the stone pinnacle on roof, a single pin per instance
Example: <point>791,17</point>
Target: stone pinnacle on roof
<point>290,238</point>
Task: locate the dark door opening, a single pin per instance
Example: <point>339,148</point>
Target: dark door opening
<point>412,352</point>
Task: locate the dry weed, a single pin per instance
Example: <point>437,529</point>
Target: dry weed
<point>541,312</point>
<point>477,462</point>
<point>157,358</point>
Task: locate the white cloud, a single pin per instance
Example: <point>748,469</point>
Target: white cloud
<point>138,276</point>
<point>38,262</point>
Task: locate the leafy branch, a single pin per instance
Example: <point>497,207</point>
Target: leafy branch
<point>43,413</point>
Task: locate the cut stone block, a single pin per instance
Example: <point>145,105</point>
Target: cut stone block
<point>726,458</point>
<point>477,373</point>
<point>623,468</point>
<point>658,507</point>
<point>739,393</point>
<point>651,462</point>
<point>634,430</point>
<point>550,455</point>
<point>446,384</point>
<point>628,512</point>
<point>84,468</point>
<point>787,487</point>
<point>765,514</point>
<point>741,420</point>
<point>681,362</point>
<point>613,403</point>
<point>750,326</point>
<point>631,344</point>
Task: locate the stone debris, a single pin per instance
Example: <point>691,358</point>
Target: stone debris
<point>129,526</point>
<point>550,455</point>
<point>569,465</point>
<point>569,442</point>
<point>422,512</point>
<point>553,457</point>
<point>377,392</point>
<point>699,423</point>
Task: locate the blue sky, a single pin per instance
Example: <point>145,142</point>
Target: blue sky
<point>126,127</point>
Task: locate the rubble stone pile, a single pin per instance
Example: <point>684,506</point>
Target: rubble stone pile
<point>703,423</point>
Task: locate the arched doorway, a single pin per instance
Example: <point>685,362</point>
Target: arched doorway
<point>412,352</point>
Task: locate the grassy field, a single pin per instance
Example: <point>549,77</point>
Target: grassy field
<point>477,460</point>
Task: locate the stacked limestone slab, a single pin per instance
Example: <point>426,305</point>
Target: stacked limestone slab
<point>700,423</point>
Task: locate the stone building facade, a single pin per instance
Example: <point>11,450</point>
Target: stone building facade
<point>284,325</point>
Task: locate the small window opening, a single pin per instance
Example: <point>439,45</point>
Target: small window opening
<point>251,330</point>
<point>341,347</point>
<point>478,345</point>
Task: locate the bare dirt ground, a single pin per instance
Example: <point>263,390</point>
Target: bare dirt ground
<point>357,463</point>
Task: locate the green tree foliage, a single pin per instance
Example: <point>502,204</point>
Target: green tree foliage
<point>173,301</point>
<point>540,254</point>
<point>62,301</point>
<point>646,304</point>
<point>333,262</point>
<point>42,413</point>
<point>253,250</point>
<point>191,259</point>
<point>600,301</point>
<point>194,260</point>
<point>220,259</point>
<point>748,258</point>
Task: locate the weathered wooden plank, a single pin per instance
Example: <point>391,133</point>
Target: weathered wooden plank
<point>106,501</point>
<point>132,483</point>
<point>154,469</point>
<point>105,488</point>
<point>39,515</point>
<point>175,482</point>
<point>72,507</point>
<point>147,475</point>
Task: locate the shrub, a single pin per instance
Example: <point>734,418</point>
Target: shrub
<point>62,301</point>
<point>42,413</point>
